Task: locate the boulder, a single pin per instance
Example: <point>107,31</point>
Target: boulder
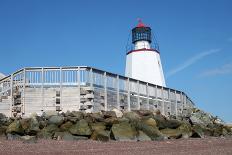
<point>77,114</point>
<point>110,121</point>
<point>28,139</point>
<point>185,130</point>
<point>48,131</point>
<point>201,118</point>
<point>156,112</point>
<point>66,126</point>
<point>56,119</point>
<point>98,126</point>
<point>160,120</point>
<point>163,123</point>
<point>144,113</point>
<point>142,136</point>
<point>100,135</point>
<point>132,116</point>
<point>123,132</point>
<point>200,131</point>
<point>152,132</point>
<point>15,127</point>
<point>49,113</point>
<point>3,130</point>
<point>30,125</point>
<point>3,119</point>
<point>96,117</point>
<point>68,137</point>
<point>172,123</point>
<point>171,133</point>
<point>81,128</point>
<point>108,114</point>
<point>10,136</point>
<point>150,122</point>
<point>118,113</point>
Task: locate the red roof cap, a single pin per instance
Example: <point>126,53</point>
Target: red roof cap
<point>140,24</point>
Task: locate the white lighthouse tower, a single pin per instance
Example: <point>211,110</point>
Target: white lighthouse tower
<point>143,62</point>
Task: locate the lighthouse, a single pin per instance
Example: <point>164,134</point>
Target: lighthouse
<point>143,62</point>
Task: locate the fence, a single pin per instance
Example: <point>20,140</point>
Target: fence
<point>119,92</point>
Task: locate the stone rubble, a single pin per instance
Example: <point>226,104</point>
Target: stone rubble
<point>140,125</point>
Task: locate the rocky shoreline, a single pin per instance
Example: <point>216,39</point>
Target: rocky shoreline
<point>113,125</point>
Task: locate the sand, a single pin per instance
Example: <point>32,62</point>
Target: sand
<point>211,146</point>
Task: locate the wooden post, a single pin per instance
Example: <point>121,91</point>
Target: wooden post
<point>163,108</point>
<point>24,83</point>
<point>176,107</point>
<point>12,98</point>
<point>128,94</point>
<point>105,91</point>
<point>138,93</point>
<point>79,88</point>
<point>118,102</point>
<point>42,88</point>
<point>61,88</point>
<point>147,91</point>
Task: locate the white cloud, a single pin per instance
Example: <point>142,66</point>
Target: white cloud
<point>225,69</point>
<point>191,61</point>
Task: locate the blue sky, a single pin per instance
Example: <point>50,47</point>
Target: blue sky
<point>195,38</point>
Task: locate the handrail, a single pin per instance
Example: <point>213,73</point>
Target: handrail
<point>76,68</point>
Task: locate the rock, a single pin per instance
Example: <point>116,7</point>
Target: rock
<point>201,131</point>
<point>42,124</point>
<point>67,136</point>
<point>34,126</point>
<point>150,122</point>
<point>118,113</point>
<point>96,117</point>
<point>3,130</point>
<point>15,127</point>
<point>186,130</point>
<point>81,128</point>
<point>72,119</point>
<point>98,126</point>
<point>160,120</point>
<point>10,136</point>
<point>3,119</point>
<point>66,126</point>
<point>143,113</point>
<point>142,136</point>
<point>28,139</point>
<point>123,119</point>
<point>156,112</point>
<point>132,116</point>
<point>49,113</point>
<point>57,120</point>
<point>152,132</point>
<point>123,132</point>
<point>110,121</point>
<point>172,124</point>
<point>48,131</point>
<point>163,123</point>
<point>100,135</point>
<point>30,125</point>
<point>77,114</point>
<point>218,131</point>
<point>108,114</point>
<point>171,133</point>
<point>201,118</point>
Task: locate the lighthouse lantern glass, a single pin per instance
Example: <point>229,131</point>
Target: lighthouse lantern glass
<point>141,34</point>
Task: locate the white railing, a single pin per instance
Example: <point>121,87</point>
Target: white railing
<point>135,90</point>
